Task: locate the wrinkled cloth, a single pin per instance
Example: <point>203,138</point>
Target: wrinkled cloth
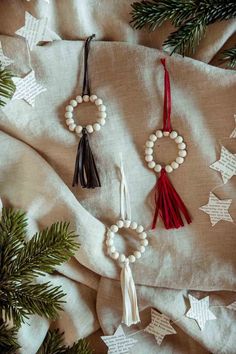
<point>37,154</point>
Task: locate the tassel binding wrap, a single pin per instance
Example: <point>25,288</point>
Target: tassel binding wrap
<point>130,304</point>
<point>169,205</point>
<point>85,167</point>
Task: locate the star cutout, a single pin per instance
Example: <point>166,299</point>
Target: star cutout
<point>217,209</point>
<point>5,61</point>
<point>160,326</point>
<point>27,88</point>
<point>233,134</point>
<point>35,31</point>
<point>118,343</point>
<point>232,306</point>
<point>199,311</point>
<point>226,165</point>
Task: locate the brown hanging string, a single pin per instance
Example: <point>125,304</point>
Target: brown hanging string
<point>85,168</point>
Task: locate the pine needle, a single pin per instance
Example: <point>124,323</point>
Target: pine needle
<point>7,86</point>
<point>229,57</point>
<point>8,343</point>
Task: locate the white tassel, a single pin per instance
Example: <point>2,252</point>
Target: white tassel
<point>130,304</point>
<point>125,208</point>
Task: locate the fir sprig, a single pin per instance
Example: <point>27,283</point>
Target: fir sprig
<point>229,56</point>
<point>8,342</point>
<point>21,262</point>
<point>190,17</point>
<point>7,86</point>
<point>53,344</point>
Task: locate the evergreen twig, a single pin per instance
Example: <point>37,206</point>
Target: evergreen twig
<point>7,86</point>
<point>229,56</point>
<point>190,17</point>
<point>8,343</point>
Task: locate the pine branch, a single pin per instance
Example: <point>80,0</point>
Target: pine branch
<point>53,344</point>
<point>229,56</point>
<point>190,17</point>
<point>8,343</point>
<point>7,86</point>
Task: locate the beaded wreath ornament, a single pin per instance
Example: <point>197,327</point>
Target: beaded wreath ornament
<point>85,168</point>
<point>130,305</point>
<point>169,205</point>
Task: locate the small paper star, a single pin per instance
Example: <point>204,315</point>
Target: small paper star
<point>217,209</point>
<point>5,61</point>
<point>226,165</point>
<point>27,88</point>
<point>35,31</point>
<point>199,311</point>
<point>232,306</point>
<point>118,343</point>
<point>160,326</point>
<point>233,134</point>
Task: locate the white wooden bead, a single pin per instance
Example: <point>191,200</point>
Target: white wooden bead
<point>73,103</point>
<point>111,249</point>
<point>70,121</point>
<point>86,98</point>
<point>140,229</point>
<point>110,234</point>
<point>109,242</point>
<point>115,255</point>
<point>72,127</point>
<point>179,160</point>
<point>174,165</point>
<point>182,153</point>
<point>78,129</point>
<point>68,115</point>
<point>102,115</point>
<point>98,102</point>
<point>173,134</point>
<point>120,223</point>
<point>179,139</point>
<point>79,99</point>
<point>96,127</point>
<point>181,146</point>
<point>144,242</point>
<point>69,108</point>
<point>141,248</point>
<point>148,158</point>
<point>142,236</point>
<point>157,168</point>
<point>93,98</point>
<point>148,151</point>
<point>149,143</point>
<point>102,121</point>
<point>127,223</point>
<point>132,258</point>
<point>102,108</point>
<point>133,225</point>
<point>168,168</point>
<point>153,137</point>
<point>137,254</point>
<point>114,228</point>
<point>166,133</point>
<point>89,128</point>
<point>159,134</point>
<point>122,258</point>
<point>151,164</point>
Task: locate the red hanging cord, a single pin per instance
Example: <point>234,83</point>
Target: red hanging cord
<point>167,100</point>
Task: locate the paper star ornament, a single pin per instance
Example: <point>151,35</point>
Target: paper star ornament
<point>35,31</point>
<point>232,306</point>
<point>217,209</point>
<point>4,60</point>
<point>160,326</point>
<point>199,311</point>
<point>233,134</point>
<point>226,165</point>
<point>118,343</point>
<point>27,88</point>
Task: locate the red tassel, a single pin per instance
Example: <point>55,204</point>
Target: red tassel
<point>169,204</point>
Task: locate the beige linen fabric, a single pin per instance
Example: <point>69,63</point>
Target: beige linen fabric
<point>37,156</point>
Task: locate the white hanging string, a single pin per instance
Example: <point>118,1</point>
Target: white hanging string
<point>125,208</point>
